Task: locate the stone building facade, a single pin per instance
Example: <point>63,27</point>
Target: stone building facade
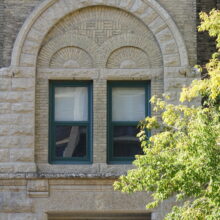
<point>95,41</point>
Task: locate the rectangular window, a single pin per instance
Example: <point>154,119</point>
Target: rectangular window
<point>128,103</point>
<point>70,122</point>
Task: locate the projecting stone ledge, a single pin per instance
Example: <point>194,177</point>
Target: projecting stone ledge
<point>56,176</point>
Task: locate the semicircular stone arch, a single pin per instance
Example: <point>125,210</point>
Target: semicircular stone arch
<point>98,31</point>
<point>31,36</point>
<point>71,39</point>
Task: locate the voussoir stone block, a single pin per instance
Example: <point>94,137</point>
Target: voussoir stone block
<point>171,60</point>
<point>28,60</point>
<point>138,7</point>
<point>35,35</point>
<point>149,15</point>
<point>164,36</point>
<point>30,46</point>
<point>126,4</point>
<point>157,25</point>
<point>169,47</point>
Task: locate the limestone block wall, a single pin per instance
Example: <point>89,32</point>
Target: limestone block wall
<point>37,199</point>
<point>17,122</point>
<point>71,40</point>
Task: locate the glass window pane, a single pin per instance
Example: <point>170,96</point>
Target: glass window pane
<point>125,142</point>
<point>71,104</point>
<point>128,104</point>
<point>70,141</point>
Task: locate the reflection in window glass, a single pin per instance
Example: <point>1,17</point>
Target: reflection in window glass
<point>71,141</point>
<point>125,142</point>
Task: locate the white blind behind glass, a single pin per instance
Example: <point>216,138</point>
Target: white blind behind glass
<point>71,104</point>
<point>128,104</point>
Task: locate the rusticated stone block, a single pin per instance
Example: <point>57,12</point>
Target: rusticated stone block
<point>5,84</point>
<point>22,83</point>
<point>23,107</point>
<point>21,155</point>
<point>3,216</point>
<point>10,96</point>
<point>22,130</point>
<point>16,141</point>
<point>15,201</point>
<point>5,108</point>
<point>22,216</point>
<point>4,130</point>
<point>28,96</point>
<point>25,167</point>
<point>9,119</point>
<point>6,168</point>
<point>4,155</point>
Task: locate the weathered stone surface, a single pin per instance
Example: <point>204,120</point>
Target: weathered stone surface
<point>6,168</point>
<point>21,155</point>
<point>171,60</point>
<point>22,216</point>
<point>22,84</point>
<point>5,108</point>
<point>24,107</point>
<point>5,84</point>
<point>10,96</point>
<point>22,130</point>
<point>38,188</point>
<point>3,216</point>
<point>25,167</point>
<point>16,141</point>
<point>15,201</point>
<point>4,155</point>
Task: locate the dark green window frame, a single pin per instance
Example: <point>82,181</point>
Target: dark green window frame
<point>52,123</point>
<point>133,84</point>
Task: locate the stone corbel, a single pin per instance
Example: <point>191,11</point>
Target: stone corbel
<point>9,72</point>
<point>38,188</point>
<point>190,72</point>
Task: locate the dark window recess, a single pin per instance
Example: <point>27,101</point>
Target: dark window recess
<point>128,103</point>
<point>99,216</point>
<point>125,142</point>
<point>71,141</point>
<point>70,135</point>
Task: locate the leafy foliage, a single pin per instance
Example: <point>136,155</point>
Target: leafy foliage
<point>183,159</point>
